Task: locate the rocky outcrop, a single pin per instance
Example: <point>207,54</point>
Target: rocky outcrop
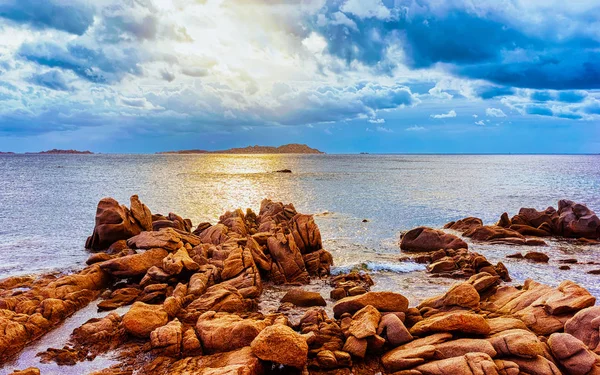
<point>114,222</point>
<point>281,344</point>
<point>424,239</point>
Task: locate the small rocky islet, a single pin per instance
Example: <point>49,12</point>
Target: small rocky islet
<point>194,300</point>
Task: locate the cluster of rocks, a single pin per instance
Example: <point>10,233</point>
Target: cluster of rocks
<point>194,295</point>
<point>448,255</point>
<point>571,220</point>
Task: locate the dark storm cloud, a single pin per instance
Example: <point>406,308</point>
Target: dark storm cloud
<point>479,45</point>
<point>70,16</point>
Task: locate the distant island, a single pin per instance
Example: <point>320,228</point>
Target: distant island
<point>293,148</point>
<point>61,152</point>
<point>6,153</point>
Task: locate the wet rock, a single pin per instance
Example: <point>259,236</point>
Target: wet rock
<point>527,230</point>
<point>465,224</point>
<point>134,265</point>
<point>492,232</point>
<point>504,221</point>
<point>585,326</point>
<point>350,284</point>
<point>455,321</point>
<point>281,344</point>
<point>564,268</point>
<point>382,301</point>
<point>424,239</point>
<point>576,220</point>
<point>537,257</point>
<point>142,319</point>
<point>114,222</point>
<point>303,298</point>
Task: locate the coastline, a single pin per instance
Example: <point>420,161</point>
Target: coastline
<point>198,281</point>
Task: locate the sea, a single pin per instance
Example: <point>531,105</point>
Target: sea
<point>362,203</point>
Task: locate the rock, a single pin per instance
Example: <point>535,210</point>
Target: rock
<point>356,347</point>
<point>424,239</point>
<point>573,354</point>
<point>400,359</point>
<point>465,224</point>
<point>288,258</point>
<point>219,298</point>
<point>382,301</point>
<point>469,364</point>
<point>142,319</point>
<point>281,344</point>
<point>393,330</point>
<point>166,238</point>
<point>134,265</point>
<point>585,326</point>
<point>190,344</point>
<point>527,230</point>
<point>537,366</point>
<point>365,322</point>
<point>576,220</point>
<point>303,298</point>
<point>455,321</point>
<point>235,362</point>
<point>492,232</point>
<point>504,221</point>
<point>27,371</point>
<point>283,171</point>
<point>517,342</point>
<point>459,295</point>
<point>140,213</point>
<point>118,298</point>
<point>537,257</point>
<point>221,332</point>
<point>179,261</point>
<point>167,339</point>
<point>564,268</point>
<point>114,222</point>
<point>460,347</point>
<point>501,324</point>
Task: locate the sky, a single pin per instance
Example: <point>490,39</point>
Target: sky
<point>344,76</point>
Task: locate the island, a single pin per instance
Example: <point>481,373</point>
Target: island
<point>6,153</point>
<point>55,151</point>
<point>292,148</point>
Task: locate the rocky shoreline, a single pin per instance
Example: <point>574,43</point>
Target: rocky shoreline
<point>199,300</point>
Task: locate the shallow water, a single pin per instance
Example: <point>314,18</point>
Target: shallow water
<point>47,202</point>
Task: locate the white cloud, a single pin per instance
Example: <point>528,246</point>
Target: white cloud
<point>480,123</point>
<point>450,114</point>
<point>475,116</point>
<point>416,128</point>
<point>495,112</point>
<point>366,8</point>
<point>384,130</point>
<point>377,121</point>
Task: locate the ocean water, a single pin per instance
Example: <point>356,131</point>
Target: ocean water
<point>48,203</point>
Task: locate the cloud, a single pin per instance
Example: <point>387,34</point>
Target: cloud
<point>480,123</point>
<point>52,79</point>
<point>72,16</point>
<point>416,128</point>
<point>539,110</point>
<point>490,92</point>
<point>377,121</point>
<point>366,8</point>
<point>384,129</point>
<point>494,112</point>
<point>450,114</point>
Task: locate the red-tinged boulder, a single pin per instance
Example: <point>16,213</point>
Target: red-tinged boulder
<point>13,336</point>
<point>27,371</point>
<point>492,232</point>
<point>382,301</point>
<point>281,344</point>
<point>166,238</point>
<point>142,319</point>
<point>573,354</point>
<point>460,295</point>
<point>114,222</point>
<point>219,298</point>
<point>454,321</point>
<point>501,324</point>
<point>118,298</point>
<point>465,224</point>
<point>469,364</point>
<point>518,343</point>
<point>401,359</point>
<point>303,298</point>
<point>536,366</point>
<point>365,322</point>
<point>134,265</point>
<point>535,218</point>
<point>221,332</point>
<point>215,234</point>
<point>356,347</point>
<point>167,339</point>
<point>236,362</point>
<point>141,213</point>
<point>424,239</point>
<point>504,221</point>
<point>537,257</point>
<point>306,233</point>
<point>175,263</point>
<point>527,230</point>
<point>460,347</point>
<point>576,220</point>
<point>393,330</point>
<point>585,325</point>
<point>288,258</point>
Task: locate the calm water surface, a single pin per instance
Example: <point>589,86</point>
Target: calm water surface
<point>48,202</point>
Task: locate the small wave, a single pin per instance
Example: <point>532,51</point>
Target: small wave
<point>404,267</point>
